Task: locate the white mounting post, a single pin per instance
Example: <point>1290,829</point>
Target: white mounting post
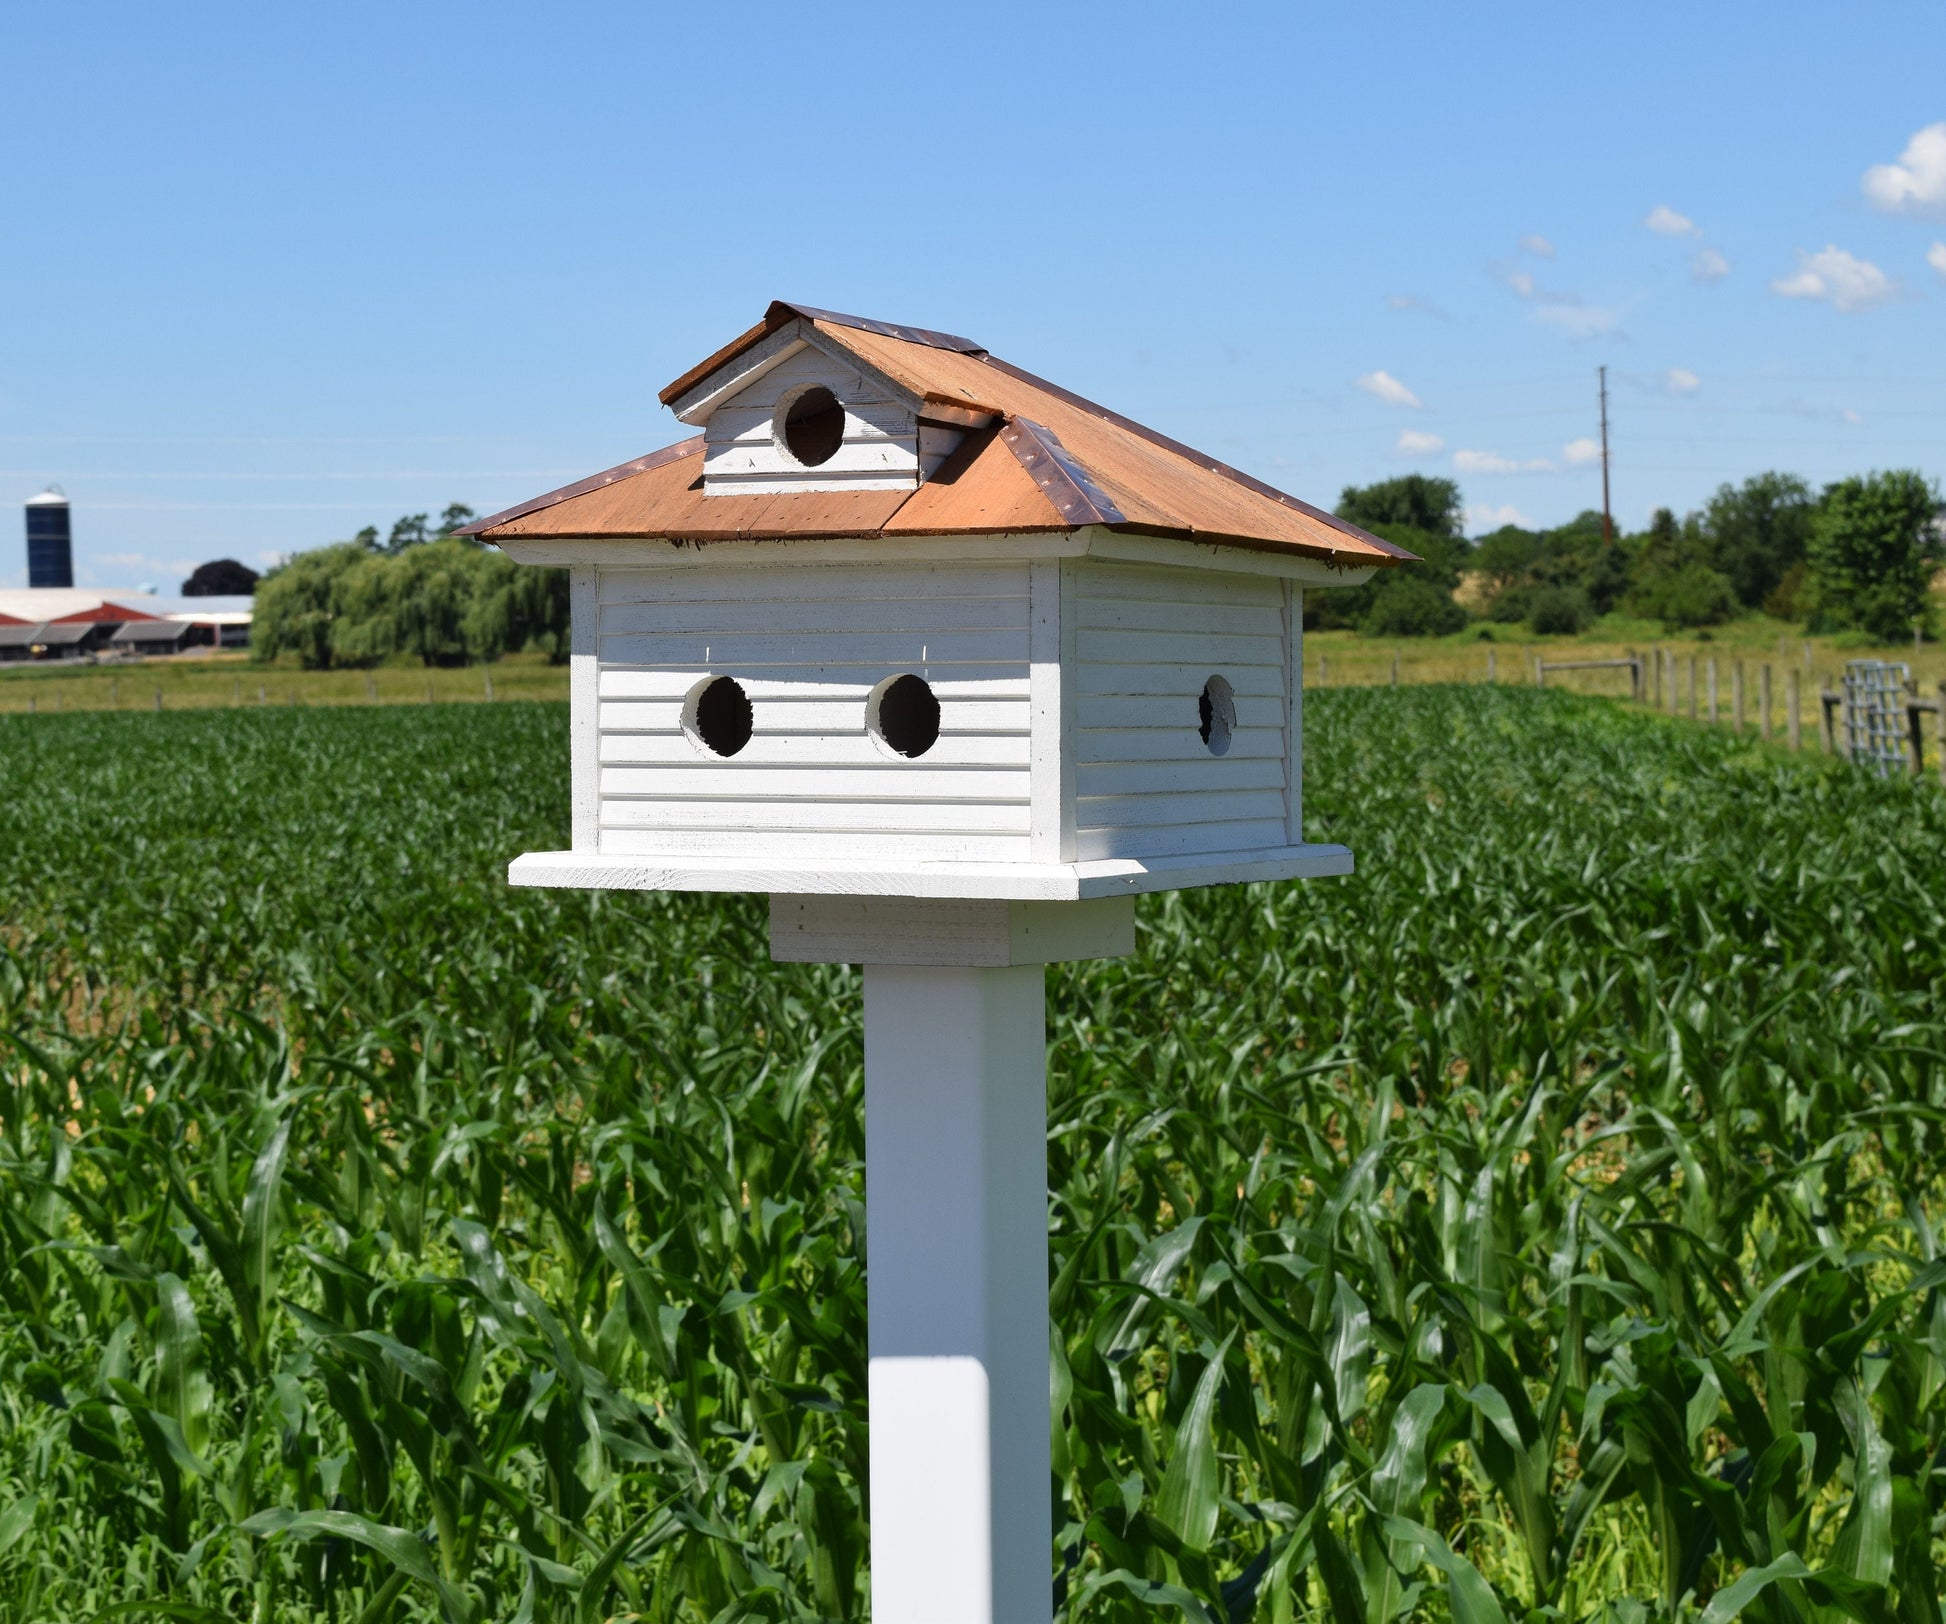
<point>956,1235</point>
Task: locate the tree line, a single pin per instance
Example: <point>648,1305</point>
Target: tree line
<point>1856,556</point>
<point>423,594</point>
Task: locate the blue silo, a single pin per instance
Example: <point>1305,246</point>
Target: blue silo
<point>50,540</point>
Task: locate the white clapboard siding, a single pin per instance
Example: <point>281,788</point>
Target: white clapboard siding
<point>741,452</point>
<point>1147,639</point>
<point>1179,840</point>
<point>835,715</point>
<point>770,749</point>
<point>818,850</point>
<point>808,643</point>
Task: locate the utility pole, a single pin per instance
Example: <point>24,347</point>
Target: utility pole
<point>1607,522</point>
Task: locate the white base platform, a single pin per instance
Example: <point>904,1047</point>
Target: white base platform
<point>1021,882</point>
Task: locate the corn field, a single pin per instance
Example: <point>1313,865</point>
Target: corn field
<point>1540,1225</point>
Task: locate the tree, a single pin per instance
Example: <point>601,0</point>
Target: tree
<point>1673,580</point>
<point>367,538</point>
<point>1870,553</point>
<point>409,531</point>
<point>220,578</point>
<point>448,602</point>
<point>1415,501</point>
<point>456,514</point>
<point>1757,531</point>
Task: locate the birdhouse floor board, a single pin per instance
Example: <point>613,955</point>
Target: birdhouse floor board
<point>1053,882</point>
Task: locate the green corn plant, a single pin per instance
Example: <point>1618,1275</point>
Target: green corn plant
<point>1539,1225</point>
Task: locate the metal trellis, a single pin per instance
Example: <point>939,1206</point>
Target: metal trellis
<point>1875,693</point>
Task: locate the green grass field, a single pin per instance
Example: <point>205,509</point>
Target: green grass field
<point>1541,1224</point>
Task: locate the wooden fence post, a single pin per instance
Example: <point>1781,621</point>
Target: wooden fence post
<point>1827,702</point>
<point>1736,697</point>
<point>263,698</point>
<point>1655,677</point>
<point>1712,687</point>
<point>1763,701</point>
<point>1675,683</point>
<point>158,699</point>
<point>431,698</point>
<point>1395,668</point>
<point>371,687</point>
<point>32,704</point>
<point>489,687</point>
<point>1939,733</point>
<point>1797,709</point>
<point>1692,688</point>
<point>1324,671</point>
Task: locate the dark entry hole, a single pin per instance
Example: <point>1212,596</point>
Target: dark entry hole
<point>907,716</point>
<point>814,426</point>
<point>723,719</point>
<point>1216,708</point>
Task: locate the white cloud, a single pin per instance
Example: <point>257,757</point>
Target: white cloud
<point>1412,301</point>
<point>1936,257</point>
<point>1491,462</point>
<point>1484,516</point>
<point>271,560</point>
<point>1916,184</point>
<point>1580,453</point>
<point>1538,246</point>
<point>1842,279</point>
<point>1576,319</point>
<point>1681,381</point>
<point>1412,443</point>
<point>1388,389</point>
<point>1709,266</point>
<point>1665,222</point>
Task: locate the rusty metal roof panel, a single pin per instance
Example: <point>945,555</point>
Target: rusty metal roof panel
<point>1056,462</point>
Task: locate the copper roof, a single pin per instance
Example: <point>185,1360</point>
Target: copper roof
<point>1052,462</point>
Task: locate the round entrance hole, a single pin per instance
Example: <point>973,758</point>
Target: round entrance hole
<point>813,426</point>
<point>1217,708</point>
<point>717,716</point>
<point>903,715</point>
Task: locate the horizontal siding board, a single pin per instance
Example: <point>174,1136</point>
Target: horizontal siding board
<point>815,849</point>
<point>1182,744</point>
<point>909,781</point>
<point>1176,840</point>
<point>865,817</point>
<point>1173,681</point>
<point>1203,619</point>
<point>837,716</point>
<point>1145,811</point>
<point>911,649</point>
<point>844,583</point>
<point>906,616</point>
<point>859,749</point>
<point>873,454</point>
<point>740,424</point>
<point>997,681</point>
<point>1173,586</point>
<point>1137,780</point>
<point>1128,711</point>
<point>1213,652</point>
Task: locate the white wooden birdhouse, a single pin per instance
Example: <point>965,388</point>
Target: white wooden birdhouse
<point>953,663</point>
<point>905,620</point>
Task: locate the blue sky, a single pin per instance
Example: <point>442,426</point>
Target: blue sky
<point>274,273</point>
